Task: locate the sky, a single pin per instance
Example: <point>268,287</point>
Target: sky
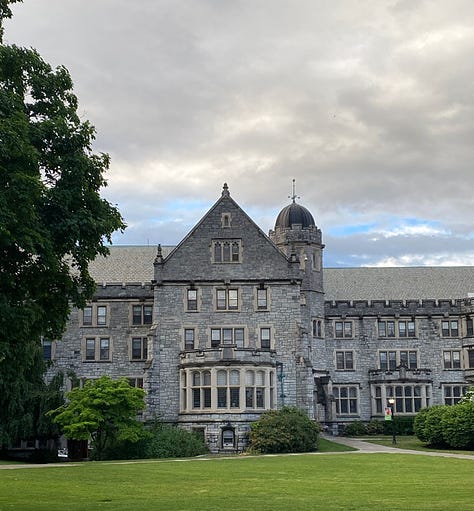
<point>367,104</point>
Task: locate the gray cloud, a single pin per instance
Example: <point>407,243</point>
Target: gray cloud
<point>368,105</point>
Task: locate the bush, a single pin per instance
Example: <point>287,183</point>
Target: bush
<point>428,425</point>
<point>420,423</point>
<point>375,427</point>
<point>285,430</point>
<point>356,428</point>
<point>159,441</point>
<point>458,425</point>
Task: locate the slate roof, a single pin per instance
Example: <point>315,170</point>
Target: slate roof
<point>134,264</point>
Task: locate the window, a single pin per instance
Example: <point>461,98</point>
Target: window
<point>470,327</point>
<point>470,358</point>
<point>94,315</point>
<point>450,328</point>
<point>344,360</point>
<point>392,359</point>
<point>47,349</point>
<point>225,220</point>
<point>317,328</point>
<point>189,339</point>
<point>265,338</point>
<point>396,328</point>
<point>139,348</point>
<point>452,359</point>
<point>452,394</point>
<point>142,314</point>
<point>409,398</point>
<point>227,251</point>
<point>342,329</point>
<point>346,397</point>
<point>191,300</point>
<point>97,349</point>
<point>227,299</point>
<point>262,298</point>
<point>136,382</point>
<point>227,388</point>
<point>221,336</point>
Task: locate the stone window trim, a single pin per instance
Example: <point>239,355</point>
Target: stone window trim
<point>449,327</point>
<point>96,349</point>
<point>228,335</point>
<point>141,314</point>
<point>226,251</point>
<point>317,328</point>
<point>226,220</point>
<point>346,398</point>
<point>189,338</point>
<point>391,360</point>
<point>220,388</point>
<point>262,298</point>
<point>344,360</point>
<point>343,329</point>
<point>452,359</point>
<point>138,349</point>
<point>192,299</point>
<point>266,339</point>
<point>392,328</point>
<point>227,299</point>
<point>410,398</point>
<point>453,392</point>
<point>95,315</point>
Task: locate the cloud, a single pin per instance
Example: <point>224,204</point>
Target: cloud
<point>368,105</point>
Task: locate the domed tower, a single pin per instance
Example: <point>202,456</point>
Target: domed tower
<point>297,236</point>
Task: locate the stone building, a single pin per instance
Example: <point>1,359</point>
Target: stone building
<point>232,322</point>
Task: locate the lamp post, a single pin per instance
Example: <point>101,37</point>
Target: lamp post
<point>391,402</point>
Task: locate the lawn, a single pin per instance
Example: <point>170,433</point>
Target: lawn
<point>410,442</point>
<point>326,482</point>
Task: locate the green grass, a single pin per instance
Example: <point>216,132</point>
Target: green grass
<point>328,446</point>
<point>410,442</point>
<point>326,482</point>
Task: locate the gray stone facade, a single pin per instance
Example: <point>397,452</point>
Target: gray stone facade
<point>231,323</point>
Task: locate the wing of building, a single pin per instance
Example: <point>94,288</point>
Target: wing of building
<point>232,322</point>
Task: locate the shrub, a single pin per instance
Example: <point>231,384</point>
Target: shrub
<point>375,427</point>
<point>159,441</point>
<point>428,425</point>
<point>285,430</point>
<point>356,428</point>
<point>458,425</point>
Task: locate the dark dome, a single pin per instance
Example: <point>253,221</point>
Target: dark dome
<point>294,214</point>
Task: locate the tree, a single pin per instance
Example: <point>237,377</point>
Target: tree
<point>285,430</point>
<point>53,221</point>
<point>103,411</point>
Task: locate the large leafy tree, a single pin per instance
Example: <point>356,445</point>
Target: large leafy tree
<point>53,220</point>
<point>103,411</point>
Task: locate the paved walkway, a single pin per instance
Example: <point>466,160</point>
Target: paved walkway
<point>368,447</point>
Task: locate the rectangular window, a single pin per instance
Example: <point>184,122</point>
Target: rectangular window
<point>142,314</point>
<point>87,315</point>
<point>387,328</point>
<point>139,348</point>
<point>343,329</point>
<point>136,382</point>
<point>344,360</point>
<point>262,302</point>
<point>265,340</point>
<point>469,327</point>
<point>189,339</point>
<point>90,349</point>
<point>47,349</point>
<point>450,328</point>
<point>452,359</point>
<point>346,398</point>
<point>453,393</point>
<point>104,349</point>
<point>101,315</point>
<point>191,300</point>
<point>227,251</point>
<point>227,299</point>
<point>393,359</point>
<point>226,336</point>
<point>317,328</point>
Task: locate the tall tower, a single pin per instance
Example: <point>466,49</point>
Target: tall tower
<point>297,236</point>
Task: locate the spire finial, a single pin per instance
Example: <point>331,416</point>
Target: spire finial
<point>225,191</point>
<point>294,196</point>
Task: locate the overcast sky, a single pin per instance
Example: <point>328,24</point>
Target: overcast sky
<point>367,104</point>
